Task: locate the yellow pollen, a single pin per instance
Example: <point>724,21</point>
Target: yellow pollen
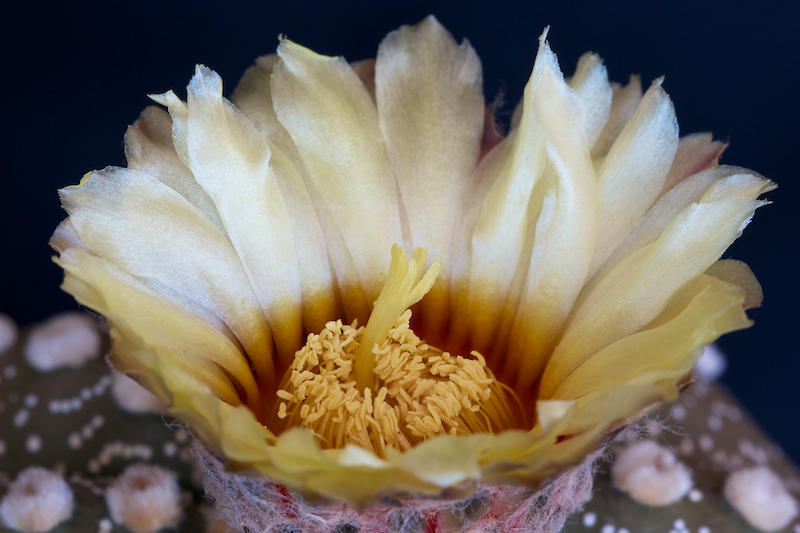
<point>422,392</point>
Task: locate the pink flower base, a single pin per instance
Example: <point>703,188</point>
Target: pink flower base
<point>259,505</point>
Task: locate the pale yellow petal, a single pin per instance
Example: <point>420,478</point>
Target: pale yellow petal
<point>357,486</point>
<point>153,233</point>
<point>738,273</point>
<point>431,112</point>
<point>319,300</point>
<point>243,437</point>
<point>639,287</point>
<point>184,328</point>
<point>671,348</point>
<point>596,411</point>
<point>334,124</point>
<point>549,413</point>
<point>445,462</point>
<point>230,160</point>
<point>163,367</point>
<point>633,172</point>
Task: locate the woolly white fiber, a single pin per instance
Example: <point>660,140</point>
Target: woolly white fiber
<point>759,495</point>
<point>145,498</point>
<point>651,474</point>
<point>36,501</point>
<point>64,340</point>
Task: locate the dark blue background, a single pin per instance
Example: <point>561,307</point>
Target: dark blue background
<point>73,78</point>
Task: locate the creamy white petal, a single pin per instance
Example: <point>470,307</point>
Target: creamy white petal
<point>669,206</point>
<point>696,152</point>
<point>66,236</point>
<point>334,124</point>
<point>501,228</point>
<point>491,168</point>
<point>566,228</point>
<point>179,113</point>
<point>365,70</point>
<point>320,245</point>
<point>149,148</point>
<point>230,160</point>
<point>319,299</point>
<point>634,171</point>
<point>253,96</point>
<point>624,102</point>
<point>431,112</point>
<point>151,232</point>
<point>590,81</point>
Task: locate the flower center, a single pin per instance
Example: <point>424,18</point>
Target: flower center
<point>422,391</point>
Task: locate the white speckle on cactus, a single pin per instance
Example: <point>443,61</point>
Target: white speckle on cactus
<point>695,496</point>
<point>105,526</point>
<point>712,364</point>
<point>132,397</point>
<point>759,495</point>
<point>33,443</point>
<point>68,405</point>
<point>145,498</point>
<point>74,441</point>
<point>31,401</point>
<point>97,421</point>
<point>10,372</point>
<point>119,450</point>
<point>170,449</point>
<point>678,413</point>
<point>65,340</point>
<point>37,501</point>
<point>651,474</point>
<point>21,418</point>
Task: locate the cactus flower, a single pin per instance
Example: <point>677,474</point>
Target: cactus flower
<point>561,279</point>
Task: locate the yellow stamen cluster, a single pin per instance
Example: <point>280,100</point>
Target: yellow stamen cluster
<point>422,391</point>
